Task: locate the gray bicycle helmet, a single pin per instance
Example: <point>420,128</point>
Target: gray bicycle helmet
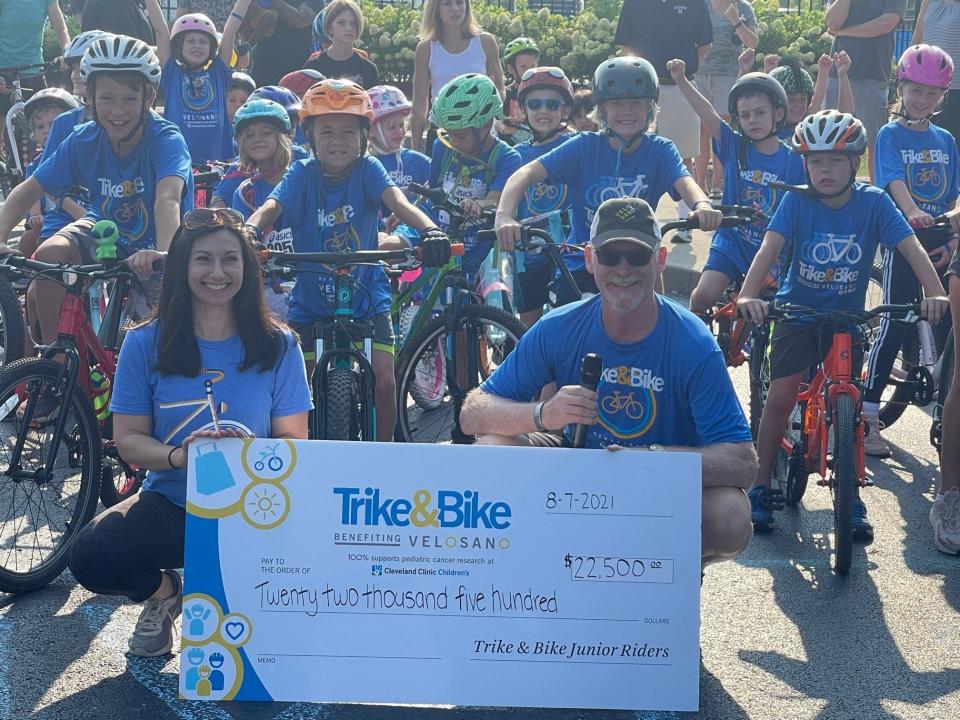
<point>50,97</point>
<point>625,78</point>
<point>753,83</point>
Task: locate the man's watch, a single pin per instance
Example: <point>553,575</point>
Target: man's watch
<point>538,416</point>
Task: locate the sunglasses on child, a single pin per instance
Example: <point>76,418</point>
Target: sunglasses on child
<point>212,217</point>
<point>534,104</point>
<point>612,258</point>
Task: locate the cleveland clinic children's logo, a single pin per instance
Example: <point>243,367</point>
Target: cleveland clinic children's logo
<point>197,92</point>
<point>627,400</point>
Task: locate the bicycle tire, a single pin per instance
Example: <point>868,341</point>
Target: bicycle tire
<point>759,364</point>
<point>947,369</point>
<point>341,405</point>
<point>12,330</point>
<point>79,477</point>
<point>498,334</point>
<point>843,483</point>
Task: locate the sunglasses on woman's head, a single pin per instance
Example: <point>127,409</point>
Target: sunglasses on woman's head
<point>612,258</point>
<point>535,104</point>
<point>212,217</point>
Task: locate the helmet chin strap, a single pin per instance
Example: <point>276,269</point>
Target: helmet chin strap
<point>910,122</point>
<point>545,137</point>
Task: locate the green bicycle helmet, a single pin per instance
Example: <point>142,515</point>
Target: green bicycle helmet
<point>793,78</point>
<point>467,101</point>
<point>519,46</point>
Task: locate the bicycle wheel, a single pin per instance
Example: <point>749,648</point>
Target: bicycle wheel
<point>43,511</point>
<point>790,470</point>
<point>484,336</point>
<point>943,388</point>
<point>759,364</point>
<point>342,405</point>
<point>11,324</point>
<point>843,483</point>
<point>118,480</point>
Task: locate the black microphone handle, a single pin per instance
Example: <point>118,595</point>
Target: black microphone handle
<point>590,369</point>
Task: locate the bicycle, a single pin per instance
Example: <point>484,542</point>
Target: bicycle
<point>206,177</point>
<point>54,462</point>
<point>829,401</point>
<point>16,150</point>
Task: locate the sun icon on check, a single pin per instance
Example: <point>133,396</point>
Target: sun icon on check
<point>265,504</point>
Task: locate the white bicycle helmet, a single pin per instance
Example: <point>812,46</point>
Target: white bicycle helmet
<point>120,53</point>
<point>830,131</point>
<point>78,46</point>
<point>49,97</point>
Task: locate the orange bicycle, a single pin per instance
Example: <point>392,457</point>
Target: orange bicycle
<point>829,401</point>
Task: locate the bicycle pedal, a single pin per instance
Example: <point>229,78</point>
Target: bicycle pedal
<point>868,482</point>
<point>772,499</point>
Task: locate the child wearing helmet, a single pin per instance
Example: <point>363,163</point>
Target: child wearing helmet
<point>197,76</point>
<point>49,214</point>
<point>290,101</point>
<point>623,160</point>
<point>134,164</point>
<point>830,236</point>
<point>241,87</point>
<point>72,55</point>
<point>299,81</point>
<point>343,187</point>
<point>804,96</point>
<point>545,96</point>
<point>265,151</point>
<point>468,162</point>
<point>390,112</point>
<point>754,156</point>
<point>519,56</point>
<point>919,166</point>
<point>343,24</point>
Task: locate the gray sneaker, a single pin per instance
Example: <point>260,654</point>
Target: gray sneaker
<point>945,518</point>
<point>873,442</point>
<point>153,634</point>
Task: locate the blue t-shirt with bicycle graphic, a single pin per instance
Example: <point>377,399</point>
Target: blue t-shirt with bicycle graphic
<point>464,179</point>
<point>544,197</point>
<point>196,100</point>
<point>926,161</point>
<point>671,388</point>
<point>249,400</point>
<point>831,251</point>
<point>121,189</point>
<point>345,221</point>
<point>594,172</point>
<point>746,181</point>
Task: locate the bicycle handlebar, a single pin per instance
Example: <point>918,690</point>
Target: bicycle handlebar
<point>440,200</point>
<point>19,265</point>
<point>779,310</point>
<point>409,256</point>
<point>208,178</point>
<point>742,211</point>
<point>46,67</point>
<point>693,223</point>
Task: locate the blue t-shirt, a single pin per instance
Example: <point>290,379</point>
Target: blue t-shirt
<point>830,251</point>
<point>234,176</point>
<point>925,160</point>
<point>544,197</point>
<point>595,172</point>
<point>671,388</point>
<point>345,221</point>
<point>252,398</point>
<point>749,185</point>
<point>64,124</point>
<point>463,179</point>
<point>252,193</point>
<point>404,167</point>
<point>196,100</point>
<point>121,189</point>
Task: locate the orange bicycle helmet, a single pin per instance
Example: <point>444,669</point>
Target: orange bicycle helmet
<point>337,97</point>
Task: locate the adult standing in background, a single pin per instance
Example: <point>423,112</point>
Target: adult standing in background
<point>21,40</point>
<point>658,31</point>
<point>864,29</point>
<point>120,17</point>
<point>451,44</point>
<point>938,23</point>
<point>288,48</point>
<point>734,27</point>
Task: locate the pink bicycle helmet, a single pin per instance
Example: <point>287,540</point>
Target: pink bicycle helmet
<point>926,65</point>
<point>196,22</point>
<point>387,100</point>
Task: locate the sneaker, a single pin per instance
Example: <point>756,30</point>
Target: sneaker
<point>760,514</point>
<point>862,529</point>
<point>682,236</point>
<point>945,518</point>
<point>153,634</point>
<point>873,443</point>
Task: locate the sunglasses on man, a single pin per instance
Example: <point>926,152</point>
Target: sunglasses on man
<point>611,258</point>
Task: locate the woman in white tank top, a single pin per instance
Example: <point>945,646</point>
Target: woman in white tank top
<point>451,44</point>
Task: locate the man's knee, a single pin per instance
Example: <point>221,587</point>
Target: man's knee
<point>725,523</point>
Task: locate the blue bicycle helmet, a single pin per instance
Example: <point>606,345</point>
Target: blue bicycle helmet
<point>285,98</point>
<point>266,110</point>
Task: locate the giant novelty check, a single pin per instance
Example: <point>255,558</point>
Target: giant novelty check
<point>389,573</point>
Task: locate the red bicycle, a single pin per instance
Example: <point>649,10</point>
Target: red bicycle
<point>56,454</point>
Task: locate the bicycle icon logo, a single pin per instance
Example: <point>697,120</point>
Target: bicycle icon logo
<point>833,248</point>
<point>269,459</point>
<point>925,176</point>
<point>618,401</point>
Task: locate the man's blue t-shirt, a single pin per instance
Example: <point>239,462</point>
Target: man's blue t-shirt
<point>252,398</point>
<point>830,251</point>
<point>671,388</point>
<point>927,161</point>
<point>595,172</point>
<point>748,183</point>
<point>345,221</point>
<point>196,100</point>
<point>464,179</point>
<point>121,189</point>
<point>404,167</point>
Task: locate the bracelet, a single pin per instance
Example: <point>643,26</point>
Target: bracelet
<point>538,416</point>
<point>239,17</point>
<point>170,458</point>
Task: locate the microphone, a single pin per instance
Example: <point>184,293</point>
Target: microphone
<point>590,368</point>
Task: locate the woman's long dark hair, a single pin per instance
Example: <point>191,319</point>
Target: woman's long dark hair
<point>178,353</point>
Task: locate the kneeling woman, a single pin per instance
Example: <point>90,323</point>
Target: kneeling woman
<point>211,280</point>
